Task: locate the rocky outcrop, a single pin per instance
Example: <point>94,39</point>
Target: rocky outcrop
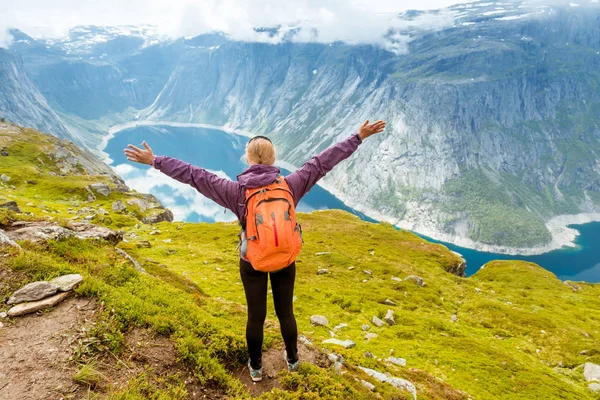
<point>12,206</point>
<point>165,215</point>
<point>33,292</point>
<point>67,282</point>
<point>396,382</point>
<point>28,308</point>
<point>40,231</point>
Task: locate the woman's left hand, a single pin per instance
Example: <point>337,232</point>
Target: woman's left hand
<point>138,155</point>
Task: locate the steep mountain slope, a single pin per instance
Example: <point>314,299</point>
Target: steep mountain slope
<point>21,101</point>
<point>494,335</point>
<point>492,119</point>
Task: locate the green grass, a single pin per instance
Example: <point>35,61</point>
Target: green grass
<point>521,333</point>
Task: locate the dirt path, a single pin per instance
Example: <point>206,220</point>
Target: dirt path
<point>35,350</point>
<point>273,363</point>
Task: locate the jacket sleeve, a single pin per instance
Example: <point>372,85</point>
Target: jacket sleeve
<point>222,191</point>
<point>301,181</point>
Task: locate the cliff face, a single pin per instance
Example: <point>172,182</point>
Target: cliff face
<point>492,122</point>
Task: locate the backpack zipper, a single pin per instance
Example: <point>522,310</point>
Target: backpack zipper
<point>275,229</point>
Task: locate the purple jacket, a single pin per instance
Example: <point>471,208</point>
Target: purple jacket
<point>231,195</point>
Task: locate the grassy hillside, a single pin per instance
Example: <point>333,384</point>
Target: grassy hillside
<point>518,332</point>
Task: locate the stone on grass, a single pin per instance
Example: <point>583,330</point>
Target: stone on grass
<point>119,206</point>
<point>389,318</point>
<point>32,292</point>
<point>322,253</point>
<point>3,315</point>
<point>397,361</point>
<point>11,205</point>
<point>366,327</point>
<point>454,318</point>
<point>318,320</point>
<point>340,326</point>
<point>101,188</point>
<point>416,279</point>
<point>594,387</point>
<point>377,322</point>
<point>368,354</point>
<point>164,215</point>
<point>591,372</point>
<point>367,385</point>
<point>351,268</point>
<point>142,204</point>
<point>144,244</point>
<point>395,278</point>
<point>6,241</point>
<point>389,302</point>
<point>368,272</point>
<point>67,282</point>
<point>4,178</point>
<point>337,366</point>
<point>347,344</point>
<point>28,308</point>
<point>370,335</point>
<point>365,281</point>
<point>395,382</point>
<point>322,271</point>
<point>304,340</point>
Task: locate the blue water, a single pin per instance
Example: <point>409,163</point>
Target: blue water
<point>219,151</point>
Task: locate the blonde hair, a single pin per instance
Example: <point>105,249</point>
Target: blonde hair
<point>260,151</point>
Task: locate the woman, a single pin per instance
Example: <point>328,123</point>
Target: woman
<point>260,155</point>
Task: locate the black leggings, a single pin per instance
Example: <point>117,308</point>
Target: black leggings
<point>255,286</point>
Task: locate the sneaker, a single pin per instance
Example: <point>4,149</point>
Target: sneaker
<point>255,374</point>
<point>292,367</point>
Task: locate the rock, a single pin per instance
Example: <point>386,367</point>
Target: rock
<point>67,282</point>
<point>366,327</point>
<point>377,322</point>
<point>347,344</point>
<point>136,264</point>
<point>365,280</point>
<point>33,292</point>
<point>142,204</point>
<point>6,241</point>
<point>396,382</point>
<point>332,357</point>
<point>40,231</point>
<point>594,387</point>
<point>318,320</point>
<point>89,231</point>
<point>1,325</point>
<point>91,197</point>
<point>143,244</point>
<point>477,290</point>
<point>389,302</point>
<point>351,268</point>
<point>389,318</point>
<point>370,336</point>
<point>28,308</point>
<point>101,188</point>
<point>416,279</point>
<point>337,366</point>
<point>119,206</point>
<point>4,152</point>
<point>368,354</point>
<point>340,326</point>
<point>168,240</point>
<point>454,318</point>
<point>156,232</point>
<point>368,272</point>
<point>4,178</point>
<point>397,361</point>
<point>304,340</point>
<point>322,271</point>
<point>372,253</point>
<point>460,268</point>
<point>367,385</point>
<point>3,315</point>
<point>322,253</point>
<point>591,372</point>
<point>164,215</point>
<point>11,205</point>
<point>395,278</point>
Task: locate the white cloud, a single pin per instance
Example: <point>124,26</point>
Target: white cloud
<point>352,21</point>
<point>5,37</point>
<point>182,199</point>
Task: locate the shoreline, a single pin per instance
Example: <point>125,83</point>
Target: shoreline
<point>562,235</point>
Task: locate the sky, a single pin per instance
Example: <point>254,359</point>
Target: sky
<point>353,21</point>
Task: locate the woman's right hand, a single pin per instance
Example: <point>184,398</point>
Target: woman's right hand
<point>138,155</point>
<point>367,130</point>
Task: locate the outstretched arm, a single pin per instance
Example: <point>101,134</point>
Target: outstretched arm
<point>308,175</point>
<point>222,191</point>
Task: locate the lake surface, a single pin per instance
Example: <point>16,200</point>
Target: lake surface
<point>221,153</point>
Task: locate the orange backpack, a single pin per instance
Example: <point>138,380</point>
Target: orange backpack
<point>272,239</point>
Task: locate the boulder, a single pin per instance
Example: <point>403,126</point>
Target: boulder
<point>141,203</point>
<point>397,361</point>
<point>389,318</point>
<point>318,320</point>
<point>32,292</point>
<point>594,387</point>
<point>347,344</point>
<point>119,206</point>
<point>417,280</point>
<point>377,322</point>
<point>11,205</point>
<point>396,382</point>
<point>6,241</point>
<point>101,188</point>
<point>3,152</point>
<point>67,282</point>
<point>40,231</point>
<point>28,308</point>
<point>89,231</point>
<point>164,215</point>
<point>591,372</point>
